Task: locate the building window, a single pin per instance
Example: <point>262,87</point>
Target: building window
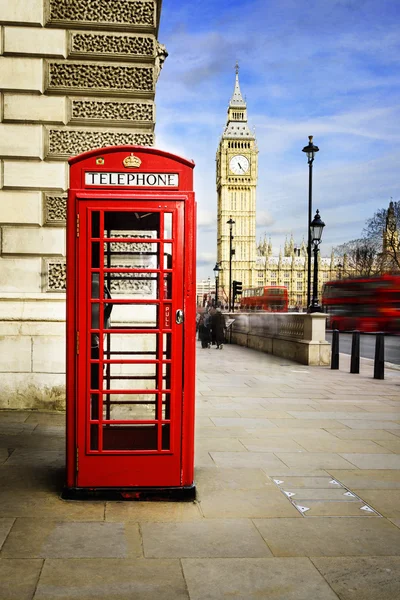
<point>299,286</point>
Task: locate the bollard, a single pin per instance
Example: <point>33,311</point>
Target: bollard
<point>379,362</point>
<point>335,349</point>
<point>355,353</point>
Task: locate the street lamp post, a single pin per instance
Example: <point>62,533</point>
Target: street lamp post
<point>310,150</point>
<point>216,270</point>
<point>231,222</point>
<point>316,227</point>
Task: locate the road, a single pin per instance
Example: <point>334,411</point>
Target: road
<point>367,346</point>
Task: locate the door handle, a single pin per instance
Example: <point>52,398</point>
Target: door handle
<point>179,316</point>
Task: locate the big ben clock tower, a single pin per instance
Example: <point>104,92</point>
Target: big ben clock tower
<point>236,189</point>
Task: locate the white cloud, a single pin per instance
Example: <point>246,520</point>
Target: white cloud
<point>339,83</point>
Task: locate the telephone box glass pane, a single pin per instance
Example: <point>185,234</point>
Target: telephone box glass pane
<point>129,380</point>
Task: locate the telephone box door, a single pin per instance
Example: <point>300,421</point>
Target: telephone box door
<point>130,265</point>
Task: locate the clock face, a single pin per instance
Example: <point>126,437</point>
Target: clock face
<point>239,164</point>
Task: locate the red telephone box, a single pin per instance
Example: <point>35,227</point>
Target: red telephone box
<point>131,318</point>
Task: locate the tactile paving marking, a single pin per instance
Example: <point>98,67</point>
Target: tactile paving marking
<point>323,497</point>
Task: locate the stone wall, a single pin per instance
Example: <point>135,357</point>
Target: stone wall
<point>74,75</point>
<point>295,336</point>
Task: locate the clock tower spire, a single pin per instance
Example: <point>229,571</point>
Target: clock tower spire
<point>236,180</point>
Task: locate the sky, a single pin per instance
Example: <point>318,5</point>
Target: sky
<point>327,68</point>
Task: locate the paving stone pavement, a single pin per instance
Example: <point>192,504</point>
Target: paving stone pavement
<point>298,482</point>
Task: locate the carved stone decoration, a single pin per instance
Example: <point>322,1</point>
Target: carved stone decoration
<point>137,255</point>
<point>63,143</point>
<point>124,13</point>
<point>55,209</point>
<point>112,46</point>
<point>55,275</point>
<point>142,284</point>
<point>98,111</point>
<point>99,78</point>
<point>160,58</point>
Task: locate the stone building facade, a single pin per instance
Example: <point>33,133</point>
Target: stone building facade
<point>290,269</point>
<point>74,75</point>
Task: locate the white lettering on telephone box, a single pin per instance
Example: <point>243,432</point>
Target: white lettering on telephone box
<point>132,179</point>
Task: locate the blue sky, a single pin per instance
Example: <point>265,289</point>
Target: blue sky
<point>327,68</point>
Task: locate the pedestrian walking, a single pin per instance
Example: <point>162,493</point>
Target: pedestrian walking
<point>218,328</point>
<point>204,330</point>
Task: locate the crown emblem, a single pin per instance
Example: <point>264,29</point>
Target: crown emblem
<point>132,161</point>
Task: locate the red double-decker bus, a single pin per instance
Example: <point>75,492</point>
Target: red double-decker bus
<point>272,298</point>
<point>364,303</point>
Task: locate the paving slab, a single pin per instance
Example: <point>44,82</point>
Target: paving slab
<point>294,433</point>
<point>317,460</point>
<point>368,578</point>
<point>217,432</point>
<point>48,505</point>
<point>47,418</point>
<point>40,478</point>
<point>18,578</point>
<point>337,493</point>
<point>5,453</point>
<point>391,445</point>
<point>387,502</point>
<point>348,446</point>
<point>395,522</point>
<point>297,482</point>
<point>38,538</point>
<point>373,461</point>
<point>255,579</point>
<point>154,512</point>
<point>367,424</point>
<point>111,579</point>
<point>308,423</point>
<point>368,479</point>
<point>240,503</point>
<point>242,422</point>
<point>13,416</point>
<point>15,428</point>
<point>362,415</point>
<point>207,538</point>
<point>213,480</point>
<point>375,435</point>
<point>31,457</point>
<point>330,536</point>
<point>264,460</point>
<point>354,507</point>
<point>5,526</point>
<point>224,444</point>
<point>272,444</point>
<point>34,441</point>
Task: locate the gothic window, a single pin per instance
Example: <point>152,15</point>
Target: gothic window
<point>299,286</point>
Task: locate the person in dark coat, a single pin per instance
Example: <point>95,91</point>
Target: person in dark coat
<point>218,328</point>
<point>204,331</point>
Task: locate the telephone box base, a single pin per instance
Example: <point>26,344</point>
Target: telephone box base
<point>166,494</point>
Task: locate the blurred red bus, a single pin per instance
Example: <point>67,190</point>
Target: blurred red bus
<point>363,303</point>
<point>270,298</point>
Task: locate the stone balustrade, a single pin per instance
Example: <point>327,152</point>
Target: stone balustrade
<point>296,336</point>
